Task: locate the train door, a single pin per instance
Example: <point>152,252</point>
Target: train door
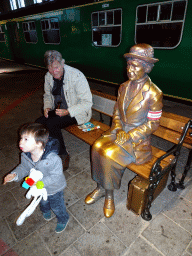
<point>14,41</point>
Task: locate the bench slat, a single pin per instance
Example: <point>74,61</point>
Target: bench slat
<point>103,105</point>
<point>158,153</point>
<point>172,136</point>
<point>181,119</point>
<point>172,124</point>
<point>103,95</point>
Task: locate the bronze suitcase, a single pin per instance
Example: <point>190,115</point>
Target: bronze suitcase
<point>137,193</point>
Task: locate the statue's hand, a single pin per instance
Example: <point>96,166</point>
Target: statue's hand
<point>122,137</point>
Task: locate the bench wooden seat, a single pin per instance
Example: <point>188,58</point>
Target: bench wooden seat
<point>102,103</point>
<point>91,136</point>
<point>144,170</point>
<point>173,128</point>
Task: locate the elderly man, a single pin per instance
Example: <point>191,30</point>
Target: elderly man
<point>67,99</point>
<point>136,116</point>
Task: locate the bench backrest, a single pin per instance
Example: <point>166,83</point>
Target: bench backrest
<point>171,125</point>
<point>103,103</point>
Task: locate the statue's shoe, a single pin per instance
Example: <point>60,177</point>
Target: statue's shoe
<point>109,207</point>
<point>95,195</point>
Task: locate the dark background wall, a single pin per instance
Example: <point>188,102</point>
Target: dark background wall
<point>5,6</point>
<point>28,2</point>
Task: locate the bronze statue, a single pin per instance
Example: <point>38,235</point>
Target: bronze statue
<point>136,116</point>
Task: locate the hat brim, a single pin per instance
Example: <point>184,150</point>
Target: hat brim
<point>145,58</point>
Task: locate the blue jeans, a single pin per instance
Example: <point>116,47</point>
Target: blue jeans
<point>57,205</point>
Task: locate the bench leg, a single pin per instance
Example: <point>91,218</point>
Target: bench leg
<point>101,118</point>
<point>172,186</point>
<point>180,185</point>
<point>146,215</point>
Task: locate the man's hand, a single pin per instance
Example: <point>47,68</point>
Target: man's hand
<point>46,111</point>
<point>61,112</point>
<point>122,137</point>
<point>9,178</point>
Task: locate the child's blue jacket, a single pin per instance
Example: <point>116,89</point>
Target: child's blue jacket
<point>50,165</point>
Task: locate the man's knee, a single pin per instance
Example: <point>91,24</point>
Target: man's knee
<point>41,120</point>
<point>53,123</point>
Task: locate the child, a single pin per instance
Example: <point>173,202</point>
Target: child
<point>41,152</point>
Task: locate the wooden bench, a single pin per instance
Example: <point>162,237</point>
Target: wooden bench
<point>173,128</point>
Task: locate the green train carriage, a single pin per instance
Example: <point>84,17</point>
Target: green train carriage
<point>94,36</point>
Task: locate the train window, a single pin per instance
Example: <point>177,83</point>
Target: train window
<point>141,14</point>
<point>101,18</point>
<point>30,33</point>
<point>17,4</point>
<point>46,24</point>
<point>13,4</point>
<point>107,27</point>
<point>2,34</point>
<point>21,3</point>
<point>109,18</point>
<point>179,10</point>
<point>25,26</point>
<point>165,12</point>
<point>152,13</point>
<point>95,19</point>
<point>117,17</point>
<point>54,24</point>
<point>51,31</point>
<point>161,24</point>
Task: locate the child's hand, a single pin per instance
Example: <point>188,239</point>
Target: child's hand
<point>9,178</point>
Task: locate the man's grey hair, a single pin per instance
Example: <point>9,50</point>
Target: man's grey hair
<point>51,55</point>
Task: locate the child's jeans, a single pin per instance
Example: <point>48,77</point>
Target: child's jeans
<point>57,205</point>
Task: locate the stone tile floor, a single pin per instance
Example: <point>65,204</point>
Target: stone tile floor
<point>88,233</point>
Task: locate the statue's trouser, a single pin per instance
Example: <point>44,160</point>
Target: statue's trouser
<point>109,161</point>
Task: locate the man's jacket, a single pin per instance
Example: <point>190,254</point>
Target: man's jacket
<point>77,94</point>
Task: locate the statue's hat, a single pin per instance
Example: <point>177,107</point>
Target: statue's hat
<point>143,52</point>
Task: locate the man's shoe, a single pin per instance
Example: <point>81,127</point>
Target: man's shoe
<point>94,196</point>
<point>61,227</point>
<point>47,216</point>
<point>65,160</point>
<point>109,207</point>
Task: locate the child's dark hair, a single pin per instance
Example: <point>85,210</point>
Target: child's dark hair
<point>39,132</point>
